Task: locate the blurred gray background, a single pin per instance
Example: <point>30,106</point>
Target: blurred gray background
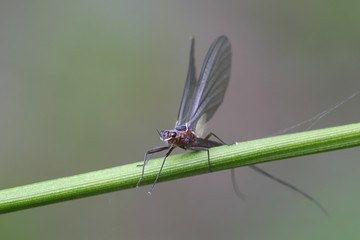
<point>84,85</point>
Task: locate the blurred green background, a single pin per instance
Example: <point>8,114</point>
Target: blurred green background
<point>84,85</point>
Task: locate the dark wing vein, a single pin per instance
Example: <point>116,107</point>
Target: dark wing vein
<point>189,88</point>
<point>212,84</point>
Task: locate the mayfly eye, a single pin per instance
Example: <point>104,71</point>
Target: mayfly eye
<point>173,134</point>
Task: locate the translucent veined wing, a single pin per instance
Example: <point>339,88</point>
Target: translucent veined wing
<point>189,88</point>
<point>212,84</point>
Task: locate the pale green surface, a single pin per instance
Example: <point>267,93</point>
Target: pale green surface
<point>84,85</point>
<point>225,157</point>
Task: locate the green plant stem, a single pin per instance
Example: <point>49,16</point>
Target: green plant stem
<point>179,166</point>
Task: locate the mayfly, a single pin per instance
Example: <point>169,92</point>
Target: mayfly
<point>200,100</point>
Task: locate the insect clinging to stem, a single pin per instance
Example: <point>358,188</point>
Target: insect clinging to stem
<point>200,100</point>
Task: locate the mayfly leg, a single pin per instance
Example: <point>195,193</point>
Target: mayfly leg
<point>213,134</point>
<point>203,149</point>
<point>292,187</point>
<point>162,165</point>
<point>235,186</point>
<point>146,159</point>
<point>214,144</point>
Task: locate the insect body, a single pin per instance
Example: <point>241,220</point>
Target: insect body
<point>201,98</point>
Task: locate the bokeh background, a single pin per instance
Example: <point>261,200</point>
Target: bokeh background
<point>84,85</point>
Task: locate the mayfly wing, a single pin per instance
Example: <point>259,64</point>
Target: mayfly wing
<point>212,83</point>
<point>189,88</point>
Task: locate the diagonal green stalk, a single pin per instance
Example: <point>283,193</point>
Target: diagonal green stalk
<point>179,166</point>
